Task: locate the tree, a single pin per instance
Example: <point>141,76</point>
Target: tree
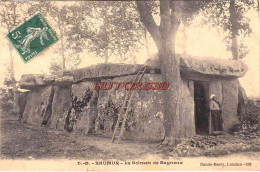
<point>234,28</point>
<point>239,25</point>
<point>55,68</point>
<point>230,16</point>
<point>172,13</point>
<point>10,17</point>
<point>7,94</point>
<point>108,29</point>
<point>60,15</point>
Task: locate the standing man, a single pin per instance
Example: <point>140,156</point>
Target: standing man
<point>216,115</point>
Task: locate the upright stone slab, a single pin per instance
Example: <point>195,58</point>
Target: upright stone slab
<point>82,116</point>
<point>187,118</point>
<point>39,106</point>
<point>145,118</point>
<point>22,101</point>
<point>61,103</point>
<point>242,101</point>
<point>145,114</point>
<point>229,103</point>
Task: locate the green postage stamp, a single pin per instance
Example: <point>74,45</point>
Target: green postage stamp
<point>32,37</point>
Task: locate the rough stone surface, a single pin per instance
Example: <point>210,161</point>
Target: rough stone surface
<point>145,115</point>
<point>188,64</point>
<point>216,67</point>
<point>22,101</point>
<point>83,122</point>
<point>69,103</point>
<point>61,103</point>
<point>187,114</point>
<point>242,101</point>
<point>206,65</point>
<point>145,118</point>
<point>215,87</point>
<point>80,119</point>
<point>229,103</point>
<point>31,81</point>
<point>65,80</point>
<point>38,106</point>
<point>103,71</point>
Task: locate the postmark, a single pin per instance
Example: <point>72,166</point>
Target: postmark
<point>32,37</point>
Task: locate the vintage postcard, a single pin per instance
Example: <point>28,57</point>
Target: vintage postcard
<point>130,85</point>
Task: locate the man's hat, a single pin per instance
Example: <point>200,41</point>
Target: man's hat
<point>212,95</point>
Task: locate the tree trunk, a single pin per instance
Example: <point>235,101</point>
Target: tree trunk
<point>15,89</point>
<point>146,44</point>
<point>164,38</point>
<point>62,50</point>
<point>120,52</point>
<point>134,59</point>
<point>184,43</point>
<point>106,56</point>
<point>169,65</point>
<point>234,30</point>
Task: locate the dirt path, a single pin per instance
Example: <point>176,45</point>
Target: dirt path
<point>20,141</point>
<point>24,141</point>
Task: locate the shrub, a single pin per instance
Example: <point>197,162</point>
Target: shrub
<point>215,145</point>
<point>6,100</point>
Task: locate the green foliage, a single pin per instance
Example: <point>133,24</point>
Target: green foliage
<point>55,68</point>
<point>108,115</point>
<point>192,8</point>
<point>107,29</point>
<point>79,103</point>
<point>77,107</point>
<point>11,14</point>
<point>7,94</point>
<point>60,17</point>
<point>250,121</point>
<point>6,100</point>
<point>189,9</point>
<point>231,19</point>
<point>215,145</point>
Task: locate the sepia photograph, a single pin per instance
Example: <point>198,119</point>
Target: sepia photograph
<point>130,85</point>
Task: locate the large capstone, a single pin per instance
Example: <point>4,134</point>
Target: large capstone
<point>65,80</point>
<point>205,65</point>
<point>32,81</point>
<point>211,66</point>
<point>103,71</point>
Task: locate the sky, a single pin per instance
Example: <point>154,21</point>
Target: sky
<point>201,41</point>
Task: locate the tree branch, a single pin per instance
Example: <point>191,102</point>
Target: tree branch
<point>176,15</point>
<point>147,19</point>
<point>165,23</point>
